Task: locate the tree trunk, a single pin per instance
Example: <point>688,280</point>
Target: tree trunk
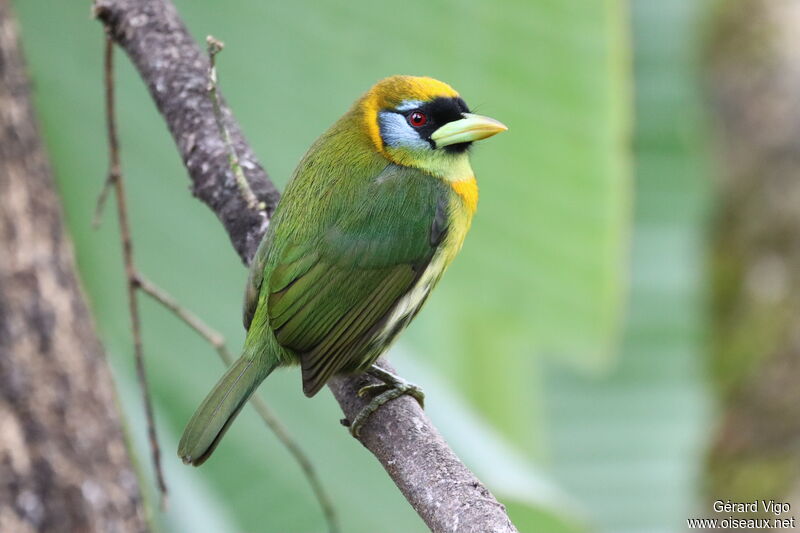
<point>64,464</point>
<point>754,85</point>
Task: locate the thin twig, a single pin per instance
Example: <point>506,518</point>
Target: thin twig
<point>215,46</point>
<point>269,418</point>
<point>115,177</point>
<point>164,298</point>
<point>101,201</point>
<point>113,141</point>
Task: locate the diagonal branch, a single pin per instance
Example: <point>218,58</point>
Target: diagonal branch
<point>436,483</point>
<point>175,70</point>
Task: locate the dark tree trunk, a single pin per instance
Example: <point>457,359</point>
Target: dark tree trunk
<point>64,465</point>
<point>754,86</point>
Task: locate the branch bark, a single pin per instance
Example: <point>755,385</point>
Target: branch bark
<point>441,489</point>
<point>175,70</point>
<point>64,463</point>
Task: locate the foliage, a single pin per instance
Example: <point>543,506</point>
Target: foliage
<point>628,444</point>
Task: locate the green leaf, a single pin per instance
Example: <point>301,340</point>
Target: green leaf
<point>629,445</point>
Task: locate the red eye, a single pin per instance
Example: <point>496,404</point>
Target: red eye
<point>417,119</point>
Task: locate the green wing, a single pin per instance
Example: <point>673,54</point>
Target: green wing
<point>254,279</point>
<point>330,297</point>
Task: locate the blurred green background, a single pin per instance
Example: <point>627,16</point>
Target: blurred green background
<point>561,355</point>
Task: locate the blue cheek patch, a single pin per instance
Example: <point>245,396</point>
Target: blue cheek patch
<point>396,132</point>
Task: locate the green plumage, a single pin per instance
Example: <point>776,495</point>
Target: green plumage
<point>220,407</point>
<point>353,249</point>
<point>329,291</point>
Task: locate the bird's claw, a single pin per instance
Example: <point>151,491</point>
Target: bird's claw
<point>392,388</point>
<point>374,389</point>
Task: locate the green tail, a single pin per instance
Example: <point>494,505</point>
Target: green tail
<point>219,409</point>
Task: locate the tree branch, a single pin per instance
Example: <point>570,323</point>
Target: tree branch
<point>175,70</point>
<point>441,489</point>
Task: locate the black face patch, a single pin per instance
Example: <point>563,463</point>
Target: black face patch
<point>439,112</point>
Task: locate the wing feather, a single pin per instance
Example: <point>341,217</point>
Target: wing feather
<point>330,294</point>
<point>331,356</point>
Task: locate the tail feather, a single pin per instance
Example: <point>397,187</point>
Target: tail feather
<point>212,419</point>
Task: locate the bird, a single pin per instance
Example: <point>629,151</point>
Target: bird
<point>371,218</point>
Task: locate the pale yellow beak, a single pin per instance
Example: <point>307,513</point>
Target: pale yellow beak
<point>468,129</point>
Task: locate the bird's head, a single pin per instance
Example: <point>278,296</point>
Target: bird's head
<point>422,122</point>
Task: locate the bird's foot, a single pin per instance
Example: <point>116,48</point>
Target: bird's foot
<point>393,387</point>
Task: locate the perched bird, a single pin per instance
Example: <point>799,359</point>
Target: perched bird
<point>375,212</point>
